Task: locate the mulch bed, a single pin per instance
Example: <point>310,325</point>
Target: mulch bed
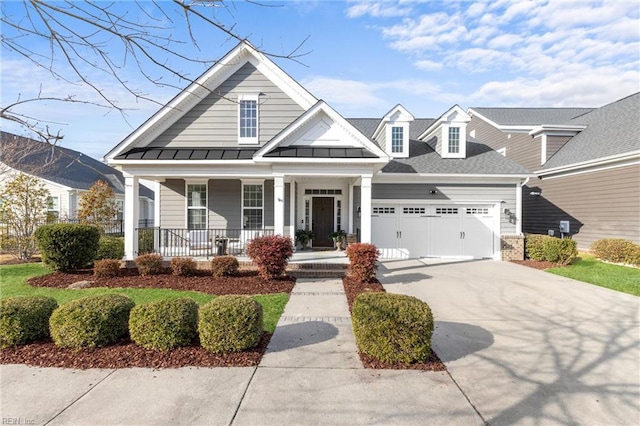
<point>537,264</point>
<point>246,282</point>
<point>16,261</point>
<point>126,354</point>
<point>352,289</point>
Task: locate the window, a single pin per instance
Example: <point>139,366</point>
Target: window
<point>53,208</point>
<point>252,202</point>
<point>384,210</point>
<point>414,210</point>
<point>446,210</point>
<point>397,139</point>
<point>120,208</point>
<point>454,140</point>
<point>197,206</point>
<point>248,118</point>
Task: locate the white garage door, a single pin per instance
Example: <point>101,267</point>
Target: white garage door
<point>412,231</point>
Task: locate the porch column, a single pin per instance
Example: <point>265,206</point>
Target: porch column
<point>156,216</point>
<point>365,209</point>
<point>278,205</point>
<point>518,207</point>
<point>350,228</point>
<point>131,214</point>
<point>292,210</point>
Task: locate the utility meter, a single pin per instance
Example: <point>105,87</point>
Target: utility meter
<point>564,226</point>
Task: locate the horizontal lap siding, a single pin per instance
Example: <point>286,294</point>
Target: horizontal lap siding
<point>598,205</point>
<point>173,204</point>
<point>225,199</point>
<point>354,205</point>
<point>554,143</point>
<point>214,121</point>
<point>489,194</point>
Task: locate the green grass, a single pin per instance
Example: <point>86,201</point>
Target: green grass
<point>590,270</point>
<point>13,283</point>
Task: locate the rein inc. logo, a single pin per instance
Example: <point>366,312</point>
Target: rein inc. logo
<point>17,421</point>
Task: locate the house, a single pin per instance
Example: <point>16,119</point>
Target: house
<point>586,162</point>
<point>246,150</point>
<point>66,173</point>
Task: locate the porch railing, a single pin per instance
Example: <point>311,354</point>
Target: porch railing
<point>174,242</point>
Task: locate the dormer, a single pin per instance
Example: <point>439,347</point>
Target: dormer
<point>450,133</point>
<point>553,137</point>
<point>392,134</point>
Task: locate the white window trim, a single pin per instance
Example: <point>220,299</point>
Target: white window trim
<point>462,140</point>
<point>56,210</point>
<point>249,140</point>
<point>204,182</point>
<point>246,182</point>
<point>405,139</point>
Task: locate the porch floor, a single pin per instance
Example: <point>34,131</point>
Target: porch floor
<point>306,256</point>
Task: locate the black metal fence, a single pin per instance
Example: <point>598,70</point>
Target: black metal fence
<point>172,242</point>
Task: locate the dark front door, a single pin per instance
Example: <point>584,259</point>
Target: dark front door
<point>322,216</point>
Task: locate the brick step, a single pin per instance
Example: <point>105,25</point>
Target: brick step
<point>317,273</point>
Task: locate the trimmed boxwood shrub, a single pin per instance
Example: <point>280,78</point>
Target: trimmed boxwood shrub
<point>110,248</point>
<point>617,250</point>
<point>91,322</point>
<point>106,268</point>
<point>363,261</point>
<point>149,264</point>
<point>230,324</point>
<point>224,266</point>
<point>25,319</point>
<point>270,254</point>
<point>66,246</point>
<point>164,324</point>
<point>392,327</point>
<point>183,266</point>
<point>550,249</point>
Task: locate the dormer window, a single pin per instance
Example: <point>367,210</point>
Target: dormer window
<point>454,140</point>
<point>248,119</point>
<point>397,140</point>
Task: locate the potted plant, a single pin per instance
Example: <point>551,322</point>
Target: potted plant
<point>338,238</point>
<point>303,236</point>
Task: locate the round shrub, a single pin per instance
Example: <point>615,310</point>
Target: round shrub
<point>65,246</point>
<point>230,324</point>
<point>392,327</point>
<point>149,264</point>
<point>534,246</point>
<point>25,319</point>
<point>224,266</point>
<point>164,324</point>
<point>91,322</point>
<point>270,254</point>
<point>106,268</point>
<point>562,251</point>
<point>183,266</point>
<point>617,250</point>
<point>363,261</point>
<point>110,248</point>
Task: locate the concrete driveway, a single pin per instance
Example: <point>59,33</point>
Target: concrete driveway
<point>528,347</point>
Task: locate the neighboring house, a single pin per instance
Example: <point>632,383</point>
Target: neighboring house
<point>66,173</point>
<point>586,162</point>
<point>246,150</point>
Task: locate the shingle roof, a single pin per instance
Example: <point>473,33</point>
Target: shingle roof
<point>613,129</point>
<point>369,125</point>
<point>530,116</point>
<point>60,165</point>
<point>481,159</point>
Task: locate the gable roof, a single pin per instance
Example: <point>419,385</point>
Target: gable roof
<point>528,116</point>
<point>368,126</point>
<point>444,117</point>
<point>188,98</point>
<point>60,165</point>
<point>611,130</point>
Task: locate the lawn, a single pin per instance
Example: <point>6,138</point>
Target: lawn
<point>13,283</point>
<point>589,269</point>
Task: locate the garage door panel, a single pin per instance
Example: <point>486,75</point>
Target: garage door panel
<point>413,236</point>
<point>478,232</point>
<point>446,228</point>
<point>384,235</point>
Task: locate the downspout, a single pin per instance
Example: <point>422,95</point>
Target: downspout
<point>519,206</point>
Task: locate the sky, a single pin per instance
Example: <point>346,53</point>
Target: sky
<point>362,57</point>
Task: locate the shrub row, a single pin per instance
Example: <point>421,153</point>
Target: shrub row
<point>617,250</point>
<point>551,249</point>
<point>392,327</point>
<point>226,324</point>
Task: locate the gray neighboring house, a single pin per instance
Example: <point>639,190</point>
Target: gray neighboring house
<point>586,162</point>
<point>66,174</point>
<point>247,151</point>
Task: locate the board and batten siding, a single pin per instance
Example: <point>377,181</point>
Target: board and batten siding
<point>214,121</point>
<point>491,194</point>
<point>520,147</point>
<point>599,204</point>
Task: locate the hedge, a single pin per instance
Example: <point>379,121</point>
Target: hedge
<point>91,322</point>
<point>149,264</point>
<point>110,248</point>
<point>66,246</point>
<point>164,324</point>
<point>224,266</point>
<point>550,249</point>
<point>617,250</point>
<point>392,327</point>
<point>25,319</point>
<point>230,324</point>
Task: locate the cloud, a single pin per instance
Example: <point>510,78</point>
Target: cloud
<point>428,65</point>
<point>377,9</point>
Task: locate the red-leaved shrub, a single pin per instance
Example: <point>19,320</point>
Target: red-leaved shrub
<point>224,266</point>
<point>106,268</point>
<point>149,264</point>
<point>270,254</point>
<point>363,261</point>
<point>183,266</point>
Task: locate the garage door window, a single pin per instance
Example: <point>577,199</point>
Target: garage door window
<point>446,210</point>
<point>384,210</point>
<point>413,210</point>
<point>477,210</point>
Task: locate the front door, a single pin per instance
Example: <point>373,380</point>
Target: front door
<point>322,221</point>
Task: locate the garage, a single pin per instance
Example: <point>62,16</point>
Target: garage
<point>412,231</point>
